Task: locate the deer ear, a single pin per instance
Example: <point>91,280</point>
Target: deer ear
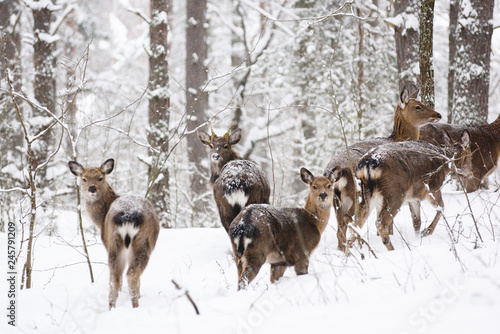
<point>404,97</point>
<point>235,137</point>
<point>333,174</point>
<point>75,168</point>
<point>108,166</point>
<point>447,139</point>
<point>203,137</point>
<point>465,139</point>
<point>306,175</point>
<point>414,94</point>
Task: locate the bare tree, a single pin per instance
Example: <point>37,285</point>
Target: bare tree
<point>159,113</point>
<point>10,65</point>
<point>196,96</point>
<point>472,61</point>
<point>425,51</point>
<point>407,42</point>
<point>451,55</point>
<point>44,84</point>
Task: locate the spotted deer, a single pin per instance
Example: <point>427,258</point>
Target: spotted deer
<point>129,227</point>
<point>236,182</point>
<point>395,173</point>
<point>409,117</point>
<point>485,147</point>
<point>283,237</point>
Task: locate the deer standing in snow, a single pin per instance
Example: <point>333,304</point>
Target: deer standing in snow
<point>485,147</point>
<point>409,117</point>
<point>236,182</point>
<point>395,173</point>
<point>282,237</point>
<point>129,227</point>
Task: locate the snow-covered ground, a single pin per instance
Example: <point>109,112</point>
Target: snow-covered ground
<point>446,283</point>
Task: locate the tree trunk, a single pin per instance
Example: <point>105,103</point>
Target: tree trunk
<point>196,97</point>
<point>407,41</point>
<point>425,51</point>
<point>44,85</point>
<point>472,62</point>
<point>451,56</point>
<point>11,140</point>
<point>159,114</point>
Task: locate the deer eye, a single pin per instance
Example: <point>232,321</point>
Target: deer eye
<point>100,179</point>
<point>329,186</point>
<point>226,146</point>
<point>314,187</point>
<point>84,180</point>
<point>418,107</point>
<point>211,146</point>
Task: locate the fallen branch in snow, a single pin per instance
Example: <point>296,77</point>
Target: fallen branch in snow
<point>178,287</point>
<point>358,238</point>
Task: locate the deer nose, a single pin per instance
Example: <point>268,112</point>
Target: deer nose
<point>92,189</point>
<point>215,156</point>
<point>323,196</point>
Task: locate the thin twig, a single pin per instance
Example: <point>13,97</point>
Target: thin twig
<point>186,293</point>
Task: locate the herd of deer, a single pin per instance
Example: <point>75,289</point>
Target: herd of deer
<point>391,171</point>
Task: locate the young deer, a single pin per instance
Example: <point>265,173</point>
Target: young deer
<point>128,224</point>
<point>395,173</point>
<point>282,237</point>
<point>485,147</point>
<point>235,182</point>
<point>409,117</point>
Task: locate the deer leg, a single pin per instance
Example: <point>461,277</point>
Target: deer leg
<point>136,268</point>
<point>250,268</point>
<point>415,215</point>
<point>302,266</point>
<point>342,222</point>
<point>116,265</point>
<point>436,200</point>
<point>384,221</point>
<point>277,271</point>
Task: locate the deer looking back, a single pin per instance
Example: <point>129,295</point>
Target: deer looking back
<point>395,173</point>
<point>129,227</point>
<point>485,147</point>
<point>282,237</point>
<point>409,117</point>
<point>236,182</point>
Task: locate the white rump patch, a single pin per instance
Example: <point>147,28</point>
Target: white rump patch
<point>377,201</point>
<point>236,241</point>
<point>246,242</point>
<point>127,228</point>
<point>237,197</point>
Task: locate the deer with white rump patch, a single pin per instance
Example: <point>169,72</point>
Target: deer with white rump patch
<point>236,182</point>
<point>409,117</point>
<point>129,227</point>
<point>396,173</point>
<point>283,237</point>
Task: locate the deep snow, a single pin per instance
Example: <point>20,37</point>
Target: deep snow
<point>421,287</point>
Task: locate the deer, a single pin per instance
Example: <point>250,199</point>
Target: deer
<point>128,225</point>
<point>283,237</point>
<point>395,173</point>
<point>485,147</point>
<point>236,182</point>
<point>410,115</point>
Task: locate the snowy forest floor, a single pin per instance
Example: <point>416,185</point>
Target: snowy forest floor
<point>448,282</point>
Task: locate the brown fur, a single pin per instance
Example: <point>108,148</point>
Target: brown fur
<point>236,182</point>
<point>485,147</point>
<point>409,117</point>
<point>409,171</point>
<point>282,237</point>
<point>115,216</point>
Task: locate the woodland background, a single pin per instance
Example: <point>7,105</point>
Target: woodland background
<point>134,80</point>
